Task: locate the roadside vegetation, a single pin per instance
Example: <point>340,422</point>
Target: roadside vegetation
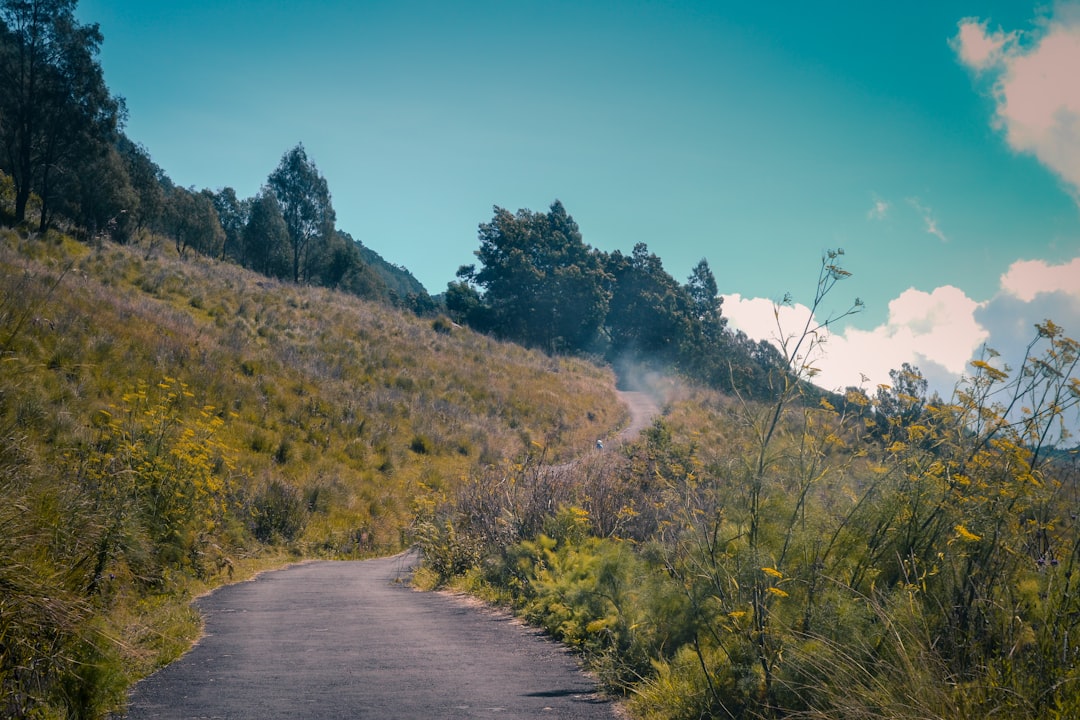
<point>885,556</point>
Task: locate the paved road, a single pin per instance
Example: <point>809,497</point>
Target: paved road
<point>352,640</point>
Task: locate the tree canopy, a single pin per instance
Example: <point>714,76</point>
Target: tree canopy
<point>304,197</point>
<point>538,283</point>
<point>57,117</point>
<point>542,285</point>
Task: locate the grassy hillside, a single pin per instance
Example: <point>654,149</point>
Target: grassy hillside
<point>166,423</point>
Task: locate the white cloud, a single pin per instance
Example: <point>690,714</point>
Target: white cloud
<point>1027,278</point>
<point>922,328</point>
<point>879,210</point>
<point>1036,89</point>
<point>928,219</point>
<point>977,48</point>
<point>940,332</point>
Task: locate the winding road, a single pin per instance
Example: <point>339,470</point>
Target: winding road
<point>336,639</point>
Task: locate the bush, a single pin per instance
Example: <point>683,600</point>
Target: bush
<point>278,513</point>
<point>447,552</point>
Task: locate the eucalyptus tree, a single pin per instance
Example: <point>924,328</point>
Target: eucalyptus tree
<point>192,221</point>
<point>265,237</point>
<point>146,180</point>
<point>233,215</point>
<point>56,114</point>
<point>304,198</point>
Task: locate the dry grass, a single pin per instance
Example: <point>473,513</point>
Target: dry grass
<point>358,407</point>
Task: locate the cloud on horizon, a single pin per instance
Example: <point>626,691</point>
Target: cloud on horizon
<point>1034,85</point>
<point>939,331</point>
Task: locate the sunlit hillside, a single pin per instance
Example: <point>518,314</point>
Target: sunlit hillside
<point>167,420</point>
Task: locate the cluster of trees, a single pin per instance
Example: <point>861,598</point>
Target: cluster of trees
<point>68,161</point>
<point>57,117</point>
<point>541,285</point>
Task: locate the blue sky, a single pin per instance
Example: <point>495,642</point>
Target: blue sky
<point>938,143</point>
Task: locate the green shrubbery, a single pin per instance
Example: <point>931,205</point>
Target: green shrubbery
<point>889,557</point>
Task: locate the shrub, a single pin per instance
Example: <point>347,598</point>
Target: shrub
<point>278,513</point>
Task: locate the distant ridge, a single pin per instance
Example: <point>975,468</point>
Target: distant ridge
<point>397,277</point>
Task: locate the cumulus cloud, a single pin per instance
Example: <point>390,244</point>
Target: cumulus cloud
<point>1032,291</point>
<point>1035,86</point>
<point>978,48</point>
<point>939,331</point>
<point>1027,278</point>
<point>936,328</point>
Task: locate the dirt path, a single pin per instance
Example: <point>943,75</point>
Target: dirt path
<point>351,640</point>
<point>643,410</point>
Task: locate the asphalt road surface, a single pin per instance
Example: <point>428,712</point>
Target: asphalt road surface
<point>352,640</point>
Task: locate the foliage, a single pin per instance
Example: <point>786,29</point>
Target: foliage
<point>157,480</point>
<point>304,197</point>
<point>265,237</point>
<point>233,216</point>
<point>57,114</point>
<point>543,286</point>
<point>192,221</point>
<point>539,284</point>
<point>650,313</point>
<point>278,513</point>
<point>899,556</point>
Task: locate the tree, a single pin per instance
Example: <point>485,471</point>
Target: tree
<point>233,215</point>
<point>99,198</point>
<point>650,313</point>
<point>192,221</point>
<point>266,238</point>
<point>55,111</point>
<point>146,180</point>
<point>304,198</point>
<point>464,303</point>
<point>543,286</point>
<point>705,300</point>
<point>901,404</point>
<point>341,266</point>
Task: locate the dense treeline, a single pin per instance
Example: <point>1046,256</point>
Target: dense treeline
<point>894,556</point>
<point>70,164</point>
<point>541,285</point>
